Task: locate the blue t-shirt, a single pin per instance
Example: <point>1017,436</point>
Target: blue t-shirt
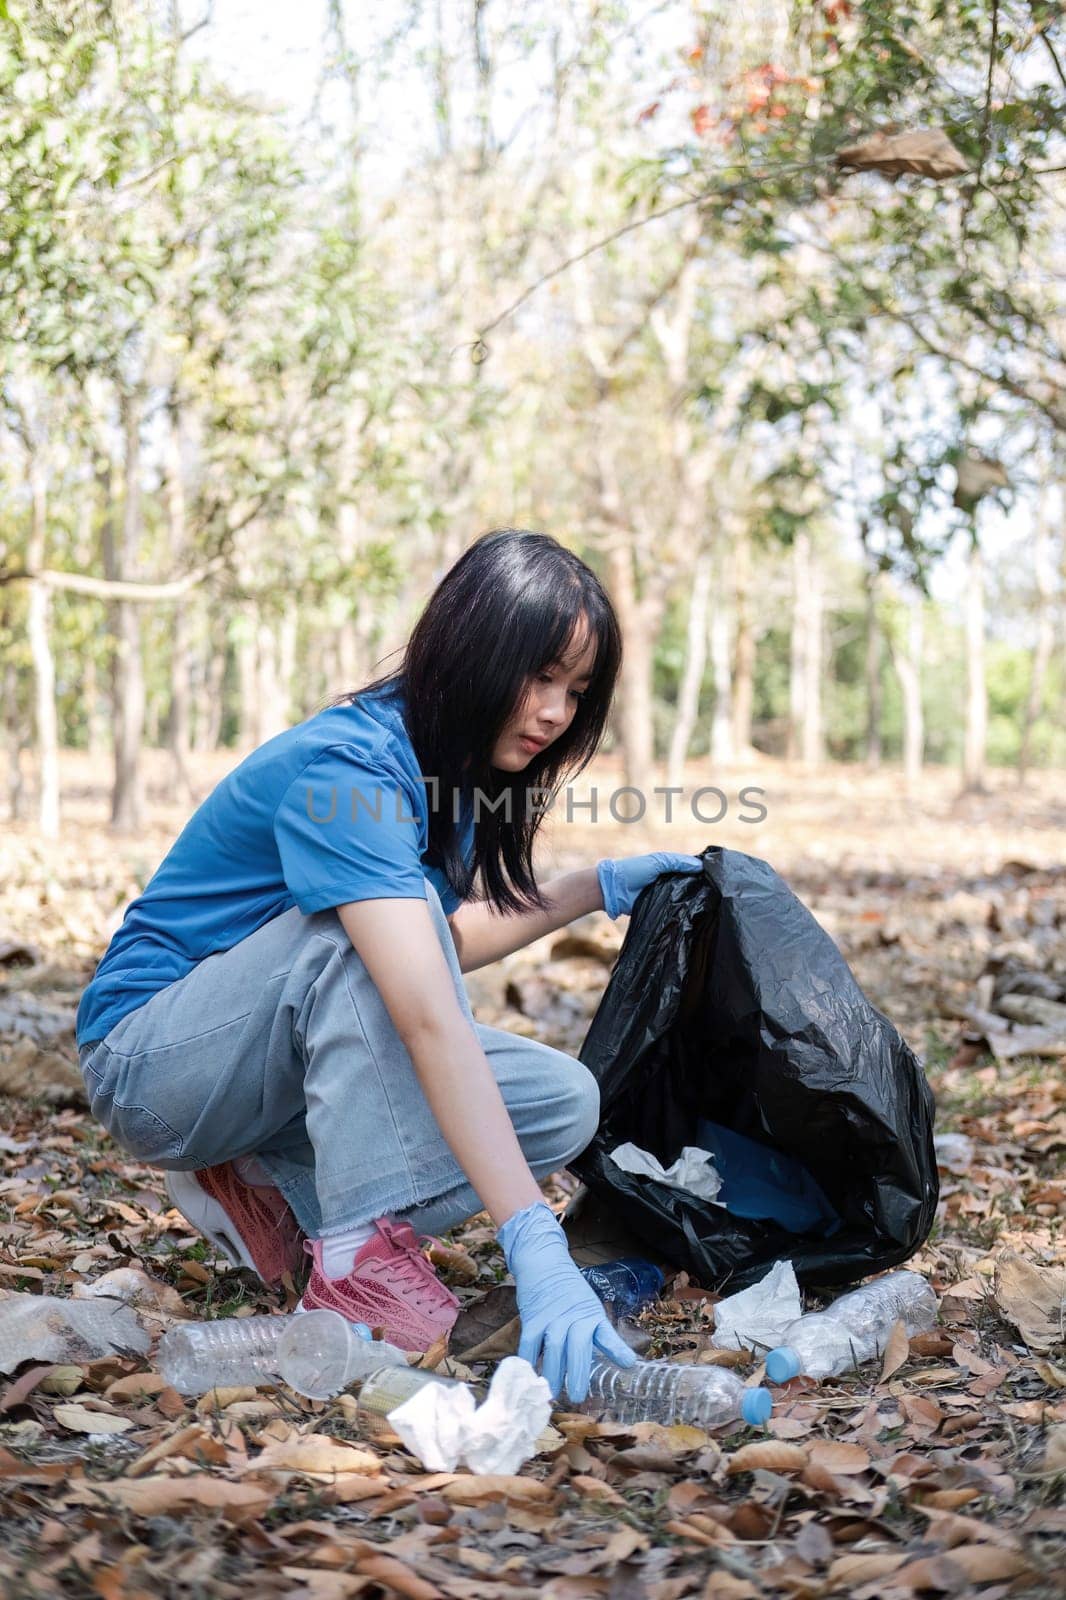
<point>333,810</point>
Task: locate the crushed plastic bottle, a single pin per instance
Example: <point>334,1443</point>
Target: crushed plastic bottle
<point>38,1327</point>
<point>317,1353</point>
<point>954,1152</point>
<point>854,1329</point>
<point>669,1392</point>
<point>625,1286</point>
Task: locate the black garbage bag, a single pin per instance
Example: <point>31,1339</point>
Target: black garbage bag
<point>731,1011</point>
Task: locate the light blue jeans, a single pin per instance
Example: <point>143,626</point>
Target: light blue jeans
<point>281,1047</point>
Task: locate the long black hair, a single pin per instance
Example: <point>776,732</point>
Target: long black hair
<point>506,610</point>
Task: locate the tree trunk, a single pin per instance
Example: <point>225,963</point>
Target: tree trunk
<point>180,716</point>
<point>95,722</point>
<point>636,728</point>
<point>743,645</point>
<point>39,635</point>
<point>907,661</point>
<point>350,662</point>
<point>12,727</point>
<point>975,740</point>
<point>287,663</point>
<point>248,708</point>
<point>722,750</point>
<point>798,646</point>
<point>805,735</point>
<point>814,662</point>
<point>95,710</point>
<point>127,799</point>
<point>313,685</point>
<point>214,668</point>
<point>272,696</point>
<point>873,672</point>
<point>1045,639</point>
<point>688,696</point>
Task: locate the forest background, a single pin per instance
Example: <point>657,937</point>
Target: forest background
<point>631,273</point>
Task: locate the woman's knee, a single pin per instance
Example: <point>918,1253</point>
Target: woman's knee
<point>579,1110</point>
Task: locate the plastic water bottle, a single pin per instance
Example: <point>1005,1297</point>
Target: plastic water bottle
<point>668,1391</point>
<point>854,1328</point>
<point>317,1353</point>
<point>624,1286</point>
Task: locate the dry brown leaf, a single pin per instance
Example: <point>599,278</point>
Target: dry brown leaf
<point>351,1487</point>
<point>597,1488</point>
<point>501,1342</point>
<point>79,1419</point>
<point>193,1442</point>
<point>468,1489</point>
<point>160,1495</point>
<point>688,1530</point>
<point>134,1385</point>
<point>789,1427</point>
<point>983,1563</point>
<point>727,1586</point>
<point>219,1399</point>
<point>948,1528</point>
<point>848,1572</point>
<point>318,1585</point>
<point>136,1288</point>
<point>925,151</point>
<point>897,1350</point>
<point>1055,1449</point>
<point>315,1455</point>
<point>455,1261</point>
<point>623,1543</point>
<point>1032,1298</point>
<point>771,1455</point>
<point>837,1457</point>
<point>948,1499</point>
<point>1053,1376</point>
<point>61,1381</point>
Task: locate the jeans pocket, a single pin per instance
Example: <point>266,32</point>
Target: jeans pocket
<point>139,1131</point>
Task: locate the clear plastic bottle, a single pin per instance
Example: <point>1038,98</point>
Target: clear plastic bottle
<point>317,1353</point>
<point>854,1329</point>
<point>668,1391</point>
<point>624,1286</point>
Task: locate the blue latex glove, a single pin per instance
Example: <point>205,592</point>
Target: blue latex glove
<point>621,878</point>
<point>562,1318</point>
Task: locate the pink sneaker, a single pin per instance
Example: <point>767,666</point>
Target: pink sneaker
<point>391,1286</point>
<point>251,1224</point>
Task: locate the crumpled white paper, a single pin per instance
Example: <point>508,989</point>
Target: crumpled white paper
<point>443,1425</point>
<point>694,1170</point>
<point>757,1317</point>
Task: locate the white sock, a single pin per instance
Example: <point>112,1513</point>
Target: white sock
<point>339,1250</point>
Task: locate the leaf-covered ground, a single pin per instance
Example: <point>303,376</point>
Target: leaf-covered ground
<point>941,1473</point>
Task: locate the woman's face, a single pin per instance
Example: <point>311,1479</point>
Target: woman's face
<point>548,707</point>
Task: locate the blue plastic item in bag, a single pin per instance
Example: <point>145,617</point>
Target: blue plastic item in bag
<point>766,1184</point>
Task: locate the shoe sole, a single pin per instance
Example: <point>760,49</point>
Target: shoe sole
<point>208,1217</point>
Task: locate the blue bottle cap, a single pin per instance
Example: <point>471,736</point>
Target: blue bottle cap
<point>756,1406</point>
<point>783,1363</point>
<point>361,1329</point>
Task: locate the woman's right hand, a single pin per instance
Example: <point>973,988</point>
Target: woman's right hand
<point>563,1320</point>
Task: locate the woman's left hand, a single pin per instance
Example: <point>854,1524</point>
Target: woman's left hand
<point>621,878</point>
